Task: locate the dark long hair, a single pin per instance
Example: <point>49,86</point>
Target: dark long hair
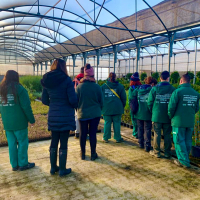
<point>112,77</point>
<point>59,64</point>
<point>9,80</point>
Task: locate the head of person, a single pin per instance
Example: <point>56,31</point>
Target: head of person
<point>59,64</point>
<point>149,81</point>
<point>112,77</point>
<point>88,70</point>
<point>154,82</point>
<point>135,77</point>
<point>10,80</point>
<point>82,70</point>
<point>164,76</point>
<point>185,78</point>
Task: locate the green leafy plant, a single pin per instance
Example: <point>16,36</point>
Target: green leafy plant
<point>143,76</point>
<point>191,74</point>
<point>155,75</point>
<point>174,77</point>
<point>128,76</point>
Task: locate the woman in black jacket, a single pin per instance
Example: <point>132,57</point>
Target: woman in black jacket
<point>59,94</point>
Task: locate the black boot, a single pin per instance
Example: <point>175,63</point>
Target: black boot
<point>94,156</point>
<point>62,163</point>
<point>53,161</point>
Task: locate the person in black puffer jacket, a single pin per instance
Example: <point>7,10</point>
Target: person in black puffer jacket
<point>59,94</point>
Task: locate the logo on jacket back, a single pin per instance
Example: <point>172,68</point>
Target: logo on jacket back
<point>143,98</point>
<point>109,93</point>
<point>163,98</point>
<point>10,99</point>
<point>189,100</point>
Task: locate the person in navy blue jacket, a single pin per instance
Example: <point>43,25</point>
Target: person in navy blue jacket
<point>59,94</point>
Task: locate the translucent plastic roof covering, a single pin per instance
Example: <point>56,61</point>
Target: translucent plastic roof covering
<point>42,30</point>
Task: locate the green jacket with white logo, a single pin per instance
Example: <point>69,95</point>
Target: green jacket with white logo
<point>183,105</point>
<point>158,102</point>
<point>142,94</point>
<point>16,115</point>
<point>112,104</point>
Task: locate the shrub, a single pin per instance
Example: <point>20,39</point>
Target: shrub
<point>128,76</point>
<point>191,74</point>
<point>174,77</point>
<point>198,75</point>
<point>143,76</point>
<point>32,83</point>
<point>155,75</point>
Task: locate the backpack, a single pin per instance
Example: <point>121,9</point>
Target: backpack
<point>134,105</point>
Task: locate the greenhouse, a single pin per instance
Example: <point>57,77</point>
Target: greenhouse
<point>129,49</point>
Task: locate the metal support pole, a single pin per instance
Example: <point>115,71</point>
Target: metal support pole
<point>151,63</point>
<point>170,49</point>
<point>94,61</point>
<point>142,64</point>
<point>188,61</point>
<point>84,57</point>
<point>125,66</point>
<point>133,64</point>
<point>174,62</point>
<point>119,68</point>
<point>51,62</point>
<point>195,63</point>
<point>138,46</point>
<point>46,64</point>
<point>33,69</point>
<point>162,62</point>
<point>74,62</point>
<point>156,58</point>
<point>129,63</point>
<point>37,68</point>
<point>41,68</point>
<point>115,55</point>
<point>98,55</point>
<point>109,63</point>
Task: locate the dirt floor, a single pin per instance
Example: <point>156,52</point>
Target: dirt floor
<point>123,171</point>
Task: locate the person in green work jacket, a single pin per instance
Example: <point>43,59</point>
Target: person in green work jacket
<point>134,83</point>
<point>114,96</point>
<point>16,113</point>
<point>143,114</point>
<point>183,105</point>
<point>158,101</point>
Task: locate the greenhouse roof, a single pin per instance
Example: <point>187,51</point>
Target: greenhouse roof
<point>43,30</point>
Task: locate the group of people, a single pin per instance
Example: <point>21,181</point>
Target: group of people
<point>170,110</point>
<point>82,98</point>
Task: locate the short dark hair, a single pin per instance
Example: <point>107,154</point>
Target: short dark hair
<point>186,78</point>
<point>164,75</point>
<point>82,70</point>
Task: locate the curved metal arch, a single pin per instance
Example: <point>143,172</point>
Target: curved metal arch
<point>34,43</point>
<point>18,52</point>
<point>36,32</point>
<point>55,31</point>
<point>36,38</point>
<point>156,15</point>
<point>115,17</point>
<point>54,7</point>
<point>21,45</point>
<point>24,52</point>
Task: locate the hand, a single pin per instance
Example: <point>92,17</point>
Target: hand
<point>32,124</point>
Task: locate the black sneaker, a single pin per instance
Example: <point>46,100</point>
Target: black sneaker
<point>82,156</point>
<point>94,156</point>
<point>15,168</point>
<point>29,166</point>
<point>76,136</point>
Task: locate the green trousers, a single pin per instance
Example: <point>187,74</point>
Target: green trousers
<point>108,119</point>
<point>134,122</point>
<point>166,128</point>
<point>18,153</point>
<point>183,143</point>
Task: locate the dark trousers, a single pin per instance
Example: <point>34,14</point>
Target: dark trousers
<point>61,136</point>
<point>144,133</point>
<point>88,126</point>
<point>167,129</point>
